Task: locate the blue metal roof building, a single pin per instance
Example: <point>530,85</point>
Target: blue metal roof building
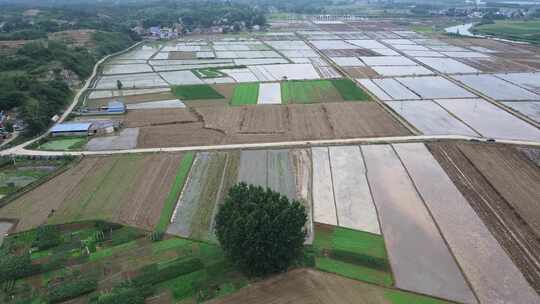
<point>116,107</point>
<point>71,128</point>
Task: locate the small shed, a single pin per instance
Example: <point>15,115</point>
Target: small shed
<point>71,129</point>
<point>116,107</point>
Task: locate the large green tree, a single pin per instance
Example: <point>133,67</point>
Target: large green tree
<point>260,230</point>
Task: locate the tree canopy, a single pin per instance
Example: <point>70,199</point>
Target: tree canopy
<point>260,230</point>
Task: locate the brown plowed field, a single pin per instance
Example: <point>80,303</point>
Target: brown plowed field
<point>268,123</point>
<point>126,189</point>
<point>494,65</point>
<point>349,53</point>
<point>360,72</point>
<point>507,226</point>
<point>182,55</point>
<point>513,175</point>
<point>264,120</point>
<point>157,117</point>
<point>306,286</point>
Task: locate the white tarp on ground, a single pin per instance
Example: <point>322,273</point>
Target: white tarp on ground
<point>116,93</point>
<point>490,120</point>
<point>333,45</point>
<point>324,208</point>
<point>419,257</point>
<point>367,44</point>
<point>448,65</point>
<point>387,61</point>
<point>180,78</point>
<point>430,118</point>
<point>431,87</point>
<point>126,69</point>
<point>348,61</point>
<point>496,88</point>
<point>530,81</point>
<point>300,53</point>
<point>240,75</point>
<point>131,81</point>
<point>393,71</point>
<point>491,273</point>
<point>373,88</point>
<point>527,108</point>
<point>354,205</point>
<point>281,71</point>
<point>161,104</point>
<point>289,45</point>
<point>395,90</point>
<point>269,93</point>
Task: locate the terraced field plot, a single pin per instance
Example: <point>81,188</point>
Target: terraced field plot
<point>125,189</point>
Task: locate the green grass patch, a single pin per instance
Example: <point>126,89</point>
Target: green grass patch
<point>349,90</point>
<point>352,271</point>
<point>170,202</point>
<point>401,297</point>
<point>354,254</point>
<point>165,245</point>
<point>196,92</point>
<point>245,93</point>
<point>109,251</point>
<point>64,143</point>
<point>209,73</point>
<point>305,91</point>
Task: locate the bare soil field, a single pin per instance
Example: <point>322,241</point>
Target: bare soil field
<point>511,231</point>
<point>306,286</point>
<point>349,53</point>
<point>515,177</point>
<point>158,117</point>
<point>189,134</point>
<point>130,99</point>
<point>182,55</point>
<point>351,119</point>
<point>493,65</point>
<point>360,72</point>
<point>264,120</point>
<point>249,124</point>
<point>125,189</point>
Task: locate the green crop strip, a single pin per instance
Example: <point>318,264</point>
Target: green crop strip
<point>170,202</point>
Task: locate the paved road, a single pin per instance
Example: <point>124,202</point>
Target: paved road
<point>288,144</point>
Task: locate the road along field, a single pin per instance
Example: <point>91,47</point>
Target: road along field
<point>420,259</point>
<point>125,189</point>
<point>468,238</point>
<point>505,224</point>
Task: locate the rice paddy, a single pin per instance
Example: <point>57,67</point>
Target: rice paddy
<point>245,93</point>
